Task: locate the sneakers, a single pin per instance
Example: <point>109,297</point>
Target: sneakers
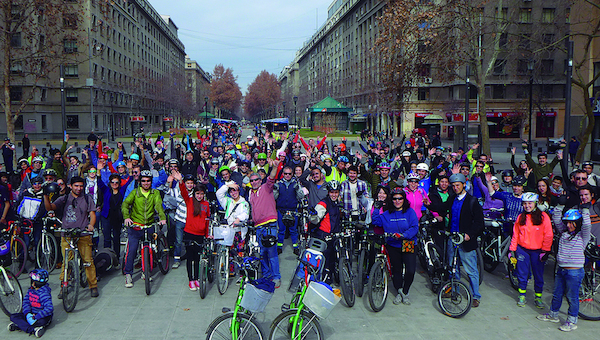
<point>568,326</point>
<point>39,331</point>
<point>176,264</point>
<point>296,251</point>
<point>144,277</point>
<point>538,303</point>
<point>522,301</point>
<point>475,303</point>
<point>192,286</point>
<point>279,251</point>
<point>60,296</point>
<point>128,281</point>
<point>12,327</point>
<point>547,317</point>
<point>94,292</point>
<point>398,298</point>
<point>197,284</point>
<point>277,283</point>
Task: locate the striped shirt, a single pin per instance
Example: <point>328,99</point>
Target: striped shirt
<point>570,248</point>
<point>181,211</point>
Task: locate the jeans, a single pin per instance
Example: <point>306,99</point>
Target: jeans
<point>112,235</point>
<point>469,262</point>
<point>282,227</point>
<point>85,251</point>
<point>37,234</point>
<point>528,261</point>
<point>133,241</point>
<point>270,263</point>
<point>567,282</point>
<point>178,239</point>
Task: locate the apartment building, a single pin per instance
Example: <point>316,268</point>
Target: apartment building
<point>339,61</point>
<point>123,69</point>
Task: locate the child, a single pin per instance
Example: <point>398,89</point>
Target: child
<point>37,306</point>
<point>557,189</point>
<point>575,234</point>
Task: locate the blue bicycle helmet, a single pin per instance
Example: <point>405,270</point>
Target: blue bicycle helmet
<point>571,215</point>
<point>343,159</point>
<point>39,275</point>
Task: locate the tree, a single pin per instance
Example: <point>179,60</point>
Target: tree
<point>263,93</point>
<point>225,92</point>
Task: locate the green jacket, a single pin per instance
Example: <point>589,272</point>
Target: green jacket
<point>141,209</point>
<point>541,171</point>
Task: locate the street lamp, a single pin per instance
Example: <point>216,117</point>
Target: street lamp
<point>206,115</point>
<point>295,111</point>
<point>530,64</point>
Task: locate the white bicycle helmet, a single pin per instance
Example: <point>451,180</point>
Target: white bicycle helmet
<point>413,175</point>
<point>422,166</point>
<point>529,197</point>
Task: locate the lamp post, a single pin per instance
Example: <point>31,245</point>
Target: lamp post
<point>62,98</point>
<point>530,64</point>
<point>467,97</point>
<point>296,112</point>
<point>206,116</point>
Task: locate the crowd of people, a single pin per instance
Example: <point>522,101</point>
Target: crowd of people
<point>261,178</point>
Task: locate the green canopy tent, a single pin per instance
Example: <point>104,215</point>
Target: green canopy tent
<point>329,115</point>
<point>206,115</point>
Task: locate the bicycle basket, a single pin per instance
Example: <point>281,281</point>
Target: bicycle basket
<point>320,299</point>
<point>225,233</point>
<point>255,299</point>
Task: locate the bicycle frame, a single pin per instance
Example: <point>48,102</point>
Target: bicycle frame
<point>72,241</point>
<point>5,276</point>
<point>150,243</point>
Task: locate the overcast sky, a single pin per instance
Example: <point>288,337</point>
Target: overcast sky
<point>247,36</point>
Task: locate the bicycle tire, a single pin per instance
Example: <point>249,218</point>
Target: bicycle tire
<point>18,254</point>
<point>46,253</point>
<point>163,254</point>
<point>377,287</point>
<point>146,268</point>
<point>223,271</point>
<point>11,300</point>
<point>512,273</point>
<point>211,267</point>
<point>489,251</point>
<point>589,296</point>
<point>83,282</point>
<point>70,288</point>
<point>220,328</point>
<point>202,277</point>
<point>480,264</point>
<point>281,328</point>
<point>455,293</point>
<point>346,282</point>
<point>362,272</point>
<point>422,257</point>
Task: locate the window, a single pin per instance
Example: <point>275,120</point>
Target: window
<point>15,12</point>
<point>425,70</point>
<point>72,121</point>
<point>44,123</point>
<point>72,95</point>
<point>547,66</point>
<point>525,42</point>
<point>43,95</point>
<point>424,93</point>
<point>568,16</point>
<point>499,91</point>
<point>16,67</point>
<point>16,93</point>
<point>42,42</point>
<point>547,91</point>
<point>548,39</point>
<point>525,16</point>
<point>19,122</point>
<point>71,71</point>
<point>503,15</point>
<point>70,20</point>
<point>96,122</point>
<point>499,66</point>
<point>15,40</point>
<point>548,15</point>
<point>503,40</point>
<point>522,66</point>
<point>473,92</point>
<point>70,45</point>
<point>522,91</point>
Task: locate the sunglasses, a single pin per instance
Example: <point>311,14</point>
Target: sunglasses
<point>146,181</point>
<point>581,178</point>
<point>413,181</point>
<point>114,182</point>
<point>61,184</point>
<point>479,166</point>
<point>255,180</point>
<point>287,173</point>
<point>92,171</point>
<point>398,199</point>
<point>136,172</point>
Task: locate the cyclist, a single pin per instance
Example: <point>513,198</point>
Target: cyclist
<point>530,245</point>
<point>417,197</point>
<point>466,216</point>
<point>140,208</point>
<point>288,194</point>
<point>401,221</point>
<point>79,211</point>
<point>37,306</point>
<point>29,206</point>
<point>574,227</point>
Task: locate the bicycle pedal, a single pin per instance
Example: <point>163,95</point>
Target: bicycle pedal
<point>285,307</point>
<point>225,310</point>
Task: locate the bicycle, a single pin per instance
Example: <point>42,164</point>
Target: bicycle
<point>429,254</point>
<point>363,266</point>
<point>74,268</point>
<point>589,292</point>
<point>154,252</point>
<point>11,295</point>
<point>455,297</point>
<point>18,248</point>
<point>47,250</point>
<point>494,249</point>
<point>343,249</point>
<point>239,323</point>
<point>303,215</point>
<point>377,285</point>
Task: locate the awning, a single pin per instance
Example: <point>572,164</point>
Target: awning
<point>329,104</point>
<point>434,117</point>
<point>276,120</point>
<point>547,114</point>
<point>222,121</point>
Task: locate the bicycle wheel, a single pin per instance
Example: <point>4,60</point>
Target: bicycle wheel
<point>346,282</point>
<point>247,329</point>
<point>70,288</point>
<point>377,288</point>
<point>512,273</point>
<point>18,255</point>
<point>47,252</point>
<point>146,269</point>
<point>83,282</point>
<point>489,252</point>
<point>589,296</point>
<point>480,265</point>
<point>223,271</point>
<point>163,254</point>
<point>455,298</point>
<point>307,326</point>
<point>362,271</point>
<point>11,295</point>
<point>211,267</point>
<point>202,277</point>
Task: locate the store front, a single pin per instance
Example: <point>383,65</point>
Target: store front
<point>544,127</point>
<point>500,124</point>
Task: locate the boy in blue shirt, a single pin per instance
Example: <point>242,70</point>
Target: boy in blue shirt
<point>37,306</point>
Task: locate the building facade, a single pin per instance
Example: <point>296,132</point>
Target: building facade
<point>339,61</point>
<point>198,85</point>
<point>123,69</point>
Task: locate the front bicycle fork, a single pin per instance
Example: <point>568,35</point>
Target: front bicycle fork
<point>151,249</point>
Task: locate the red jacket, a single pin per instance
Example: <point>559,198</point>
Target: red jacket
<point>195,225</point>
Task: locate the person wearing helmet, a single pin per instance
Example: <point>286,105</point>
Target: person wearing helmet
<point>489,202</point>
<point>29,206</point>
<point>416,196</point>
<point>381,176</point>
<point>264,215</point>
<point>531,244</point>
<point>288,194</point>
<point>593,179</point>
<point>49,175</point>
<point>512,201</point>
<point>36,170</point>
<point>79,211</point>
<point>465,216</point>
<point>37,304</point>
<point>140,207</point>
<point>329,220</point>
<point>261,163</point>
<point>424,179</point>
<point>506,183</point>
<point>401,221</point>
<point>335,173</point>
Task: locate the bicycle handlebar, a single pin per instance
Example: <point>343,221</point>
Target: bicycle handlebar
<point>75,232</point>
